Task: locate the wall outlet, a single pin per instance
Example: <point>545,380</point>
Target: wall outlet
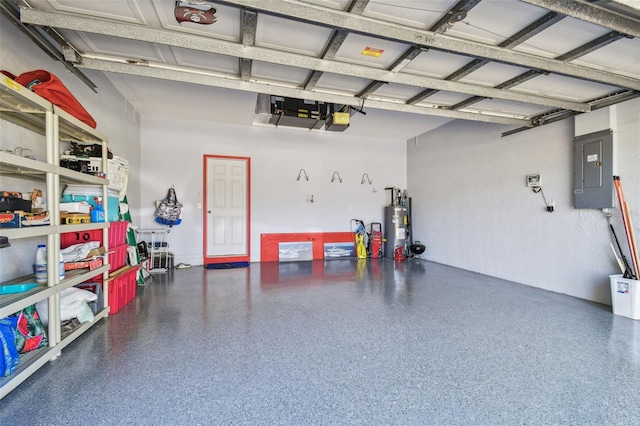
<point>534,181</point>
<point>551,206</point>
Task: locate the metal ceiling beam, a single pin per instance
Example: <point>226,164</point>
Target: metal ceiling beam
<point>193,42</point>
<point>519,79</point>
<point>245,69</point>
<point>521,36</point>
<point>249,27</point>
<point>146,69</point>
<point>41,39</point>
<point>335,41</point>
<point>306,12</point>
<point>505,85</point>
<point>370,89</point>
<point>532,29</point>
<point>467,102</point>
<point>592,13</point>
<point>403,60</point>
<point>591,46</point>
<point>357,6</point>
<point>422,95</point>
<point>312,80</point>
<point>558,115</point>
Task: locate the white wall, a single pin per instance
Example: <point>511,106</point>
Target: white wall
<point>115,118</point>
<point>472,210</point>
<point>172,154</point>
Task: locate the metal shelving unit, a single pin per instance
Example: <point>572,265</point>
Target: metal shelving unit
<point>28,110</point>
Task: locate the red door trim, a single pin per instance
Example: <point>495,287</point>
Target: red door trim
<point>225,259</point>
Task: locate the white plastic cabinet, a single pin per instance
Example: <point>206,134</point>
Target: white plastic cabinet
<point>28,110</point>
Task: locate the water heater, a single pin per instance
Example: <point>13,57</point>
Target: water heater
<point>395,229</point>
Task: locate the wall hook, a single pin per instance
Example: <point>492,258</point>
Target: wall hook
<point>334,176</point>
<point>306,176</point>
<point>368,178</point>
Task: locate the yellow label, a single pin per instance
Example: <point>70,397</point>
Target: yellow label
<point>370,51</point>
<point>341,118</point>
<point>12,84</point>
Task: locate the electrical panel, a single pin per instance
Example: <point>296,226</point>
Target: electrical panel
<point>593,170</point>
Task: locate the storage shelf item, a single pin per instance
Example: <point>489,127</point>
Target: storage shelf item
<point>24,108</point>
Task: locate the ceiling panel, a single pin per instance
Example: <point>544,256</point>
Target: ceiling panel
<point>332,4</point>
<point>434,63</point>
<point>291,36</point>
<point>623,56</point>
<point>357,49</point>
<point>562,37</point>
<point>341,83</point>
<point>401,92</point>
<point>443,98</point>
<point>129,11</point>
<point>100,44</point>
<point>207,61</point>
<point>227,25</point>
<point>564,88</point>
<point>275,72</point>
<point>500,106</point>
<point>493,74</point>
<point>412,13</point>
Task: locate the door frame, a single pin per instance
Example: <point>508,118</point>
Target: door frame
<point>225,259</point>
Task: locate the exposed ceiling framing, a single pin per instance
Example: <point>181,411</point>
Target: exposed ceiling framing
<point>403,82</point>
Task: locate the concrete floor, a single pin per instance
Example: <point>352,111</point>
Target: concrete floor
<point>341,342</point>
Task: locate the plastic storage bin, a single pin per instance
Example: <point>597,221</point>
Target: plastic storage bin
<point>98,304</point>
<point>117,257</point>
<point>625,297</point>
<point>122,289</point>
<point>117,235</point>
<point>78,193</point>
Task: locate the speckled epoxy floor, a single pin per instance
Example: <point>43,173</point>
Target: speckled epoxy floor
<point>343,342</point>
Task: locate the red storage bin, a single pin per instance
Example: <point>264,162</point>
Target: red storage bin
<point>122,289</point>
<point>117,235</point>
<point>117,257</point>
<point>68,239</point>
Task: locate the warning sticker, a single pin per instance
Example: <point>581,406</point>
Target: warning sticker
<point>591,158</point>
<point>370,51</point>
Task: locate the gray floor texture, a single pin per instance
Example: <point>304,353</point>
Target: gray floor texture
<point>341,342</point>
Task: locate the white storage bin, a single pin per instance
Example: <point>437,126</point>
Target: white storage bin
<point>75,207</point>
<point>625,296</point>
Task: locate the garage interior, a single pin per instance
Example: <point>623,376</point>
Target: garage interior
<point>504,319</point>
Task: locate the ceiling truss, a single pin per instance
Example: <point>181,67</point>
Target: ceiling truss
<point>351,20</point>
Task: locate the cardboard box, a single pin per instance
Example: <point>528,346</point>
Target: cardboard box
<point>92,261</point>
<point>9,220</point>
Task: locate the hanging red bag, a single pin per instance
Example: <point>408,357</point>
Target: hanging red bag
<point>50,87</point>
